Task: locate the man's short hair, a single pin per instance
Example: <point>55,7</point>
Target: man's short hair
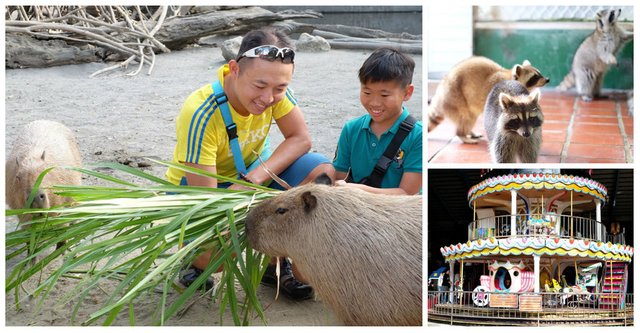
<point>387,64</point>
<point>264,36</point>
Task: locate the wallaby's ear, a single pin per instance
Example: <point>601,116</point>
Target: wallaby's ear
<point>526,63</point>
<point>516,71</point>
<point>309,201</point>
<point>323,179</point>
<point>505,101</point>
<point>534,96</point>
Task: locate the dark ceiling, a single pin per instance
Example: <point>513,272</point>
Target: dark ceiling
<point>449,213</point>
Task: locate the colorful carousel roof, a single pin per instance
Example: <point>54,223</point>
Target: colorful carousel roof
<point>559,247</point>
<point>562,187</point>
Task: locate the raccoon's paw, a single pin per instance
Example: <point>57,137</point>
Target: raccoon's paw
<point>475,135</point>
<point>610,59</point>
<point>586,98</point>
<point>468,139</point>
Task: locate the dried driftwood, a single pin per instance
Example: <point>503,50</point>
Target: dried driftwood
<point>134,33</point>
<point>341,31</point>
<point>357,38</point>
<point>180,31</point>
<point>41,36</point>
<point>374,44</point>
<point>365,32</point>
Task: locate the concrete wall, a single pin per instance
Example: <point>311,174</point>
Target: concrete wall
<point>388,18</point>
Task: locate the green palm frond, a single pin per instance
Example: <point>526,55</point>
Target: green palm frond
<point>136,235</point>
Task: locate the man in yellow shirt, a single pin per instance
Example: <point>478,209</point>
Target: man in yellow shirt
<point>255,88</point>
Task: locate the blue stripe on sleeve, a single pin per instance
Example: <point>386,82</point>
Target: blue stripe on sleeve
<point>204,125</point>
<point>206,105</point>
<point>292,99</point>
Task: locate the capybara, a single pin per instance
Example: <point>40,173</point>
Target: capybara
<point>361,252</point>
<point>39,145</point>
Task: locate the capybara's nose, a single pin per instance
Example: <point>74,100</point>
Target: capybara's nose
<point>40,200</point>
<point>249,225</point>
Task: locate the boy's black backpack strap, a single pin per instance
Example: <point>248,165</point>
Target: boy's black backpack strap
<point>375,178</point>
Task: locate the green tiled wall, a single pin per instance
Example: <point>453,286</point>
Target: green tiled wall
<point>551,51</point>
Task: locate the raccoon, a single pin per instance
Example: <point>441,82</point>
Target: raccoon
<point>595,54</point>
<point>513,121</point>
<point>462,93</point>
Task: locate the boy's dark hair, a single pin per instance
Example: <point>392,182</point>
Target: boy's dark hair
<point>264,36</point>
<point>387,64</point>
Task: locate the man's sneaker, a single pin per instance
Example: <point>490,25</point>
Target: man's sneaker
<point>190,274</point>
<point>288,284</point>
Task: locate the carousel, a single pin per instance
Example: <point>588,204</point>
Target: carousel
<point>537,252</point>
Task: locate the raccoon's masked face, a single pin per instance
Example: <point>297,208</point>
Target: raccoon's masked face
<point>528,75</point>
<point>606,19</point>
<point>521,114</point>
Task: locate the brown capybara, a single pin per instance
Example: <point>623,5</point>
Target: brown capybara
<point>39,145</point>
<point>361,252</point>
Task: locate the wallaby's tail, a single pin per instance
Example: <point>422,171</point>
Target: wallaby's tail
<point>435,117</point>
<point>568,82</point>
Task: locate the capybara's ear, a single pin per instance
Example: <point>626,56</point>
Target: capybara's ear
<point>323,179</point>
<point>309,201</point>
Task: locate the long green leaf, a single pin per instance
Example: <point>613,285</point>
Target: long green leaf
<point>107,224</point>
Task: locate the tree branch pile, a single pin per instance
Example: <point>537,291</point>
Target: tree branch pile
<point>42,36</point>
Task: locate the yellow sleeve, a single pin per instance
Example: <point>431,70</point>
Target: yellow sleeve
<point>285,106</point>
<point>195,129</point>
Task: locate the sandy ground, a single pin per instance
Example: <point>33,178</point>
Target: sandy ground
<point>127,118</point>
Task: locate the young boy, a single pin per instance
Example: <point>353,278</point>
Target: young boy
<point>385,83</point>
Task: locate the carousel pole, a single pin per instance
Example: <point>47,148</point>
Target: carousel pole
<point>541,217</point>
<point>536,273</point>
<point>452,266</point>
<point>461,280</point>
<point>514,210</point>
<point>599,219</point>
<point>474,232</point>
<point>571,219</point>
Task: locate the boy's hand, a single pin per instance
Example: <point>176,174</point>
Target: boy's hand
<point>340,182</point>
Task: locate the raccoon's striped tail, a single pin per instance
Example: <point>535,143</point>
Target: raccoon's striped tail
<point>568,82</point>
<point>435,118</point>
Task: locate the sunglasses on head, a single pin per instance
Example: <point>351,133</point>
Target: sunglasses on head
<point>270,52</point>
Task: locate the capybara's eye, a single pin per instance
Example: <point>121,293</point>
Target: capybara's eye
<point>281,210</point>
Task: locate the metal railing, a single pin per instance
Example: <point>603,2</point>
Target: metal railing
<point>541,225</point>
<point>556,308</point>
<point>617,238</point>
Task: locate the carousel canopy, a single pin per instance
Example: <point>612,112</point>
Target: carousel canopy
<point>495,191</point>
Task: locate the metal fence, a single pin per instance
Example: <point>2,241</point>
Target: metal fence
<point>460,307</point>
<point>546,13</point>
<point>532,225</point>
